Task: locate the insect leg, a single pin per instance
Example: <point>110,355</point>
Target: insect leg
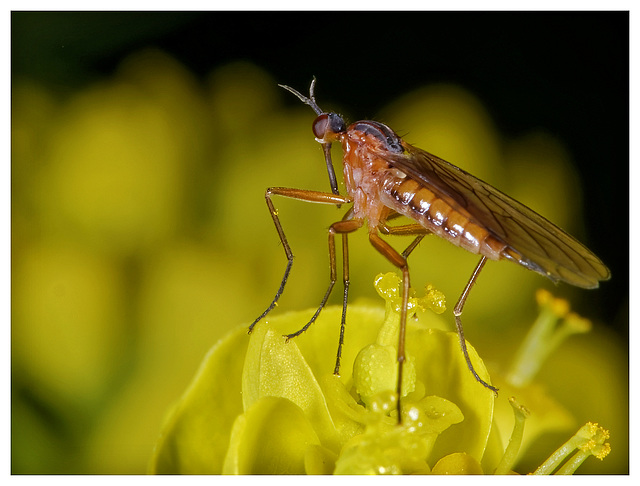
<point>401,262</point>
<point>410,229</point>
<point>302,195</point>
<point>457,312</point>
<point>345,296</point>
<point>407,229</point>
<point>412,246</point>
<point>343,227</point>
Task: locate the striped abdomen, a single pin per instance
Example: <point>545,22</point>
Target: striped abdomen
<point>447,220</point>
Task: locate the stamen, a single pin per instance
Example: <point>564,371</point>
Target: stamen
<point>511,452</point>
<point>589,441</point>
<point>554,324</point>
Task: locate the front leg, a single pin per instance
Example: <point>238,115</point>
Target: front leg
<point>301,195</point>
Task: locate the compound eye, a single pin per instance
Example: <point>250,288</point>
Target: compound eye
<point>326,124</point>
<point>321,126</point>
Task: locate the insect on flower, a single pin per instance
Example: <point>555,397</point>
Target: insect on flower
<point>385,177</point>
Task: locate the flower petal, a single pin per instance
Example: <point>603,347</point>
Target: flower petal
<point>441,366</point>
<point>195,435</point>
<point>272,437</point>
<point>276,368</point>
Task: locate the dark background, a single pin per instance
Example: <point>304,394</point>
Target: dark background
<point>567,72</point>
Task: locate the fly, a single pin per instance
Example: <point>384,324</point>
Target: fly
<point>386,177</point>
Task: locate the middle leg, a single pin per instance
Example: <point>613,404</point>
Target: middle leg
<point>399,261</point>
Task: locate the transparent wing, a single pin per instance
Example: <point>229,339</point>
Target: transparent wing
<point>536,243</point>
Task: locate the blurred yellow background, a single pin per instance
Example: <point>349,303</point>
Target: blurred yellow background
<point>140,237</point>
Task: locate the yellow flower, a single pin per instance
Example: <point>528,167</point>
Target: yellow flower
<point>262,405</point>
